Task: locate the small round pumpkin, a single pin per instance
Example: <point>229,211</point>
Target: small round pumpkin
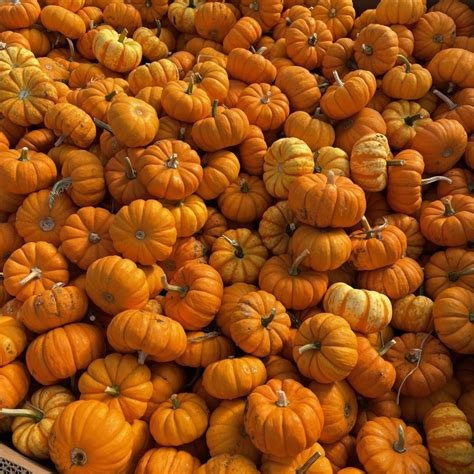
<point>13,337</point>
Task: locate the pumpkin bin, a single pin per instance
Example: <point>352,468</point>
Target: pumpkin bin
<point>237,237</point>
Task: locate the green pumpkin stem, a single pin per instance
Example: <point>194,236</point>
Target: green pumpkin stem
<point>158,28</point>
<point>395,162</point>
<point>410,120</point>
<point>312,346</point>
<point>447,100</point>
<point>123,35</point>
<point>33,413</point>
<point>189,89</point>
<point>282,399</point>
<point>304,468</point>
<point>435,179</point>
<point>448,207</point>
<point>215,103</point>
<point>239,251</point>
<point>386,347</point>
<point>406,63</point>
<point>399,445</point>
<point>174,401</point>
<point>23,154</point>
<point>455,276</point>
<point>111,95</point>
<point>266,320</point>
<point>293,270</point>
<point>182,290</point>
<point>112,390</point>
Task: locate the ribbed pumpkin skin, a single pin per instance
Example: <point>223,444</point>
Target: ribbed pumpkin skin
<point>448,436</point>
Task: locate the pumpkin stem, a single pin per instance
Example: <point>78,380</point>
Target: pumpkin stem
<point>435,179</point>
<point>35,272</point>
<point>158,28</point>
<point>386,347</point>
<point>282,399</point>
<point>215,102</point>
<point>266,320</point>
<point>59,284</point>
<point>399,445</point>
<point>239,251</point>
<point>111,95</point>
<point>312,346</point>
<point>331,177</point>
<point>313,39</point>
<point>78,457</point>
<point>33,412</point>
<point>182,134</point>
<point>142,357</point>
<point>337,79</point>
<point>71,50</point>
<point>130,172</point>
<point>94,238</point>
<point>304,468</point>
<point>448,207</point>
<point>366,225</point>
<point>261,50</point>
<point>113,391</point>
<point>413,356</point>
<point>367,49</point>
<point>58,188</point>
<point>395,162</point>
<point>191,4</point>
<point>204,337</point>
<point>455,276</point>
<point>317,112</point>
<point>266,98</point>
<point>103,125</point>
<point>405,61</point>
<point>172,161</point>
<point>189,89</point>
<point>23,154</point>
<point>174,401</point>
<point>293,270</point>
<point>244,186</point>
<point>182,290</point>
<point>411,119</point>
<point>471,317</point>
<point>447,100</point>
<point>123,35</point>
<point>290,229</point>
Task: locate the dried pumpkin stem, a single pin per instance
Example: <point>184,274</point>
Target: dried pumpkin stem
<point>448,207</point>
<point>35,272</point>
<point>365,224</point>
<point>130,172</point>
<point>142,357</point>
<point>34,413</point>
<point>399,445</point>
<point>266,98</point>
<point>367,49</point>
<point>60,140</point>
<point>455,276</point>
<point>59,284</point>
<point>290,229</point>
<point>103,125</point>
<point>59,188</point>
<point>23,154</point>
<point>174,401</point>
<point>182,290</point>
<point>411,119</point>
<point>447,100</point>
<point>123,35</point>
<point>204,337</point>
<point>244,186</point>
<point>471,317</point>
<point>386,347</point>
<point>435,179</point>
<point>239,251</point>
<point>293,270</point>
<point>172,161</point>
<point>182,134</point>
<point>395,162</point>
<point>337,79</point>
<point>78,457</point>
<point>282,399</point>
<point>189,89</point>
<point>406,63</point>
<point>113,390</point>
<point>304,468</point>
<point>317,112</point>
<point>331,177</point>
<point>71,50</point>
<point>312,346</point>
<point>111,95</point>
<point>94,238</point>
<point>266,320</point>
<point>261,50</point>
<point>158,28</point>
<point>313,39</point>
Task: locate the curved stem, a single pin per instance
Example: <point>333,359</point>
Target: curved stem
<point>435,179</point>
<point>282,400</point>
<point>239,252</point>
<point>35,272</point>
<point>111,95</point>
<point>266,320</point>
<point>182,290</point>
<point>448,207</point>
<point>304,468</point>
<point>399,445</point>
<point>312,346</point>
<point>365,224</point>
<point>113,390</point>
<point>71,50</point>
<point>123,35</point>
<point>59,188</point>
<point>386,347</point>
<point>337,78</point>
<point>23,154</point>
<point>293,270</point>
<point>406,63</point>
<point>130,172</point>
<point>447,100</point>
<point>410,120</point>
<point>103,125</point>
<point>174,401</point>
<point>34,413</point>
<point>204,337</point>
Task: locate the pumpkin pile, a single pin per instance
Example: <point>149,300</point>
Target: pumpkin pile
<point>236,237</point>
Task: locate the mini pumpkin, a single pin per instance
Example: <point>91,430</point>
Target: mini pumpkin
<point>13,338</point>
